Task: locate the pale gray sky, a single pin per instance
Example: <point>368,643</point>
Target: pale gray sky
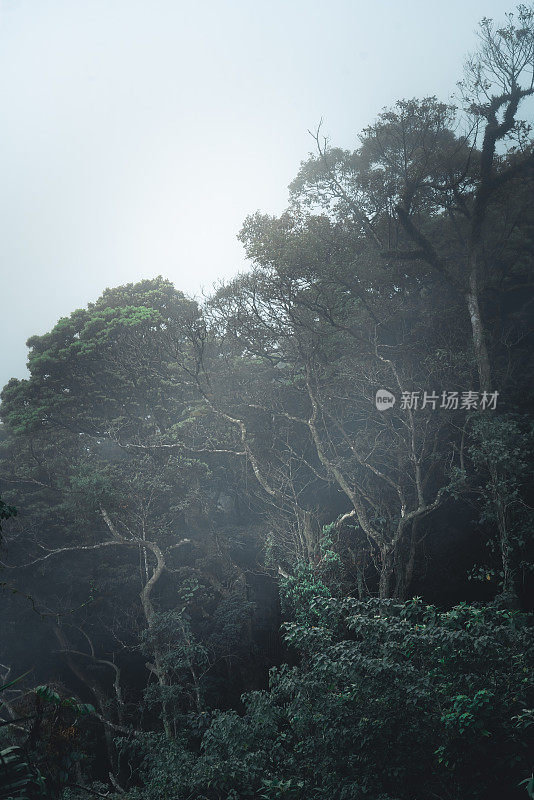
<point>136,135</point>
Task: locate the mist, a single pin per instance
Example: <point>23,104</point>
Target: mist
<point>137,136</point>
<point>266,401</point>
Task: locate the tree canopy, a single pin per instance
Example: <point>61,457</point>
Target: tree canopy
<point>279,544</point>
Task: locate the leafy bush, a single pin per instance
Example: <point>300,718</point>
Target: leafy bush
<point>390,701</point>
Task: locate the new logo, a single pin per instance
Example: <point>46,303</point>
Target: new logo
<point>384,399</point>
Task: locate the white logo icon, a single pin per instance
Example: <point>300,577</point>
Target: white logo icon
<point>384,399</point>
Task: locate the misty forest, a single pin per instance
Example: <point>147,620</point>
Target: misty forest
<point>278,543</point>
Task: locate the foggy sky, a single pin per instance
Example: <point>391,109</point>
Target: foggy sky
<point>136,136</point>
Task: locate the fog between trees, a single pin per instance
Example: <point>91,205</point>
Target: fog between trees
<point>179,480</point>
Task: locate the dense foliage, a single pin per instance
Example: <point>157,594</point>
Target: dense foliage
<point>390,700</point>
<point>219,526</point>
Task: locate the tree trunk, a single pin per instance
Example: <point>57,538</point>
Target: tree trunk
<point>508,594</point>
<point>477,327</point>
<point>157,667</point>
<point>406,569</point>
<point>386,571</point>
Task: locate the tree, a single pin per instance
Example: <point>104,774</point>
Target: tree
<point>94,445</point>
<point>413,177</point>
<point>324,353</point>
<point>501,450</point>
